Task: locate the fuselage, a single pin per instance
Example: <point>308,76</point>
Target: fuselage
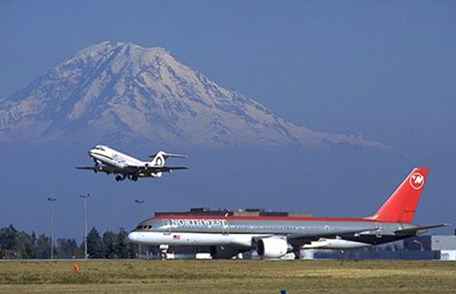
<point>112,161</point>
<point>113,158</point>
<point>242,230</point>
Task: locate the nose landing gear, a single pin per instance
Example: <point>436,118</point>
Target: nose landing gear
<point>163,251</point>
<point>119,178</point>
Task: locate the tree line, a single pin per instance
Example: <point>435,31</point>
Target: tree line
<point>20,244</point>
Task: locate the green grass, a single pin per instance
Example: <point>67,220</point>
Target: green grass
<point>202,277</point>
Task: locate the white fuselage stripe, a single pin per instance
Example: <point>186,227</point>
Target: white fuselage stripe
<point>202,239</point>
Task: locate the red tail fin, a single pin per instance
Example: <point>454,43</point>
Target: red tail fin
<point>401,205</point>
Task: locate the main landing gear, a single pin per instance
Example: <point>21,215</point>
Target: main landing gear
<point>119,178</point>
<point>163,251</point>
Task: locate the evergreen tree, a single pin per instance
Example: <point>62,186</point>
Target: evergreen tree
<point>109,242</point>
<point>25,247</point>
<point>43,247</point>
<point>121,247</point>
<point>67,248</point>
<point>8,238</point>
<point>94,244</point>
<point>8,242</point>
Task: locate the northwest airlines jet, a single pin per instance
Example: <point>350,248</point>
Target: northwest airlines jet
<point>275,236</point>
<point>111,161</point>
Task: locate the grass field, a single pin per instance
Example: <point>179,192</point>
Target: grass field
<point>202,277</point>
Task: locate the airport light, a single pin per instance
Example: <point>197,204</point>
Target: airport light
<point>85,215</point>
<point>51,200</point>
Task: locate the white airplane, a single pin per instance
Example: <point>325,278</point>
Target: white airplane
<point>123,166</point>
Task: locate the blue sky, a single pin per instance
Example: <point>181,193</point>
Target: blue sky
<point>384,69</point>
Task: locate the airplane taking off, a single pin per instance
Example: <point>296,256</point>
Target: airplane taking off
<point>111,161</point>
<point>275,236</point>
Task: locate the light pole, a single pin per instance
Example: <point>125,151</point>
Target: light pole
<point>52,200</point>
<point>85,215</point>
<point>139,202</point>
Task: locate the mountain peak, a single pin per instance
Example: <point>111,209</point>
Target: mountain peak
<point>120,90</point>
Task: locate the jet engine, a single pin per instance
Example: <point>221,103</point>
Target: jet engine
<point>334,244</point>
<point>272,247</point>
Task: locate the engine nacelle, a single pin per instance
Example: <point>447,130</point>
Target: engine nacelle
<point>334,244</point>
<point>272,247</point>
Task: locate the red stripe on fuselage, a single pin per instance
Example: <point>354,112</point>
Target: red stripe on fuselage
<point>265,218</point>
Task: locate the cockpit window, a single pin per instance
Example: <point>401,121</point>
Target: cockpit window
<point>145,227</point>
<point>98,147</point>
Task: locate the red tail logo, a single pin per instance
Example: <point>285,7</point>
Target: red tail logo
<point>401,205</point>
<point>417,180</point>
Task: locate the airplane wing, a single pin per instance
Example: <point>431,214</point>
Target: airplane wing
<point>152,169</point>
<point>296,238</point>
<point>165,169</point>
<point>86,167</point>
<point>94,169</point>
<point>416,230</point>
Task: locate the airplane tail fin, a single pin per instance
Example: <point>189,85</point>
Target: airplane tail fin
<point>158,159</point>
<point>401,205</point>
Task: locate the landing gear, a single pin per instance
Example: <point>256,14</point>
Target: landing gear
<point>163,251</point>
<point>297,253</point>
<point>119,178</point>
<point>98,166</point>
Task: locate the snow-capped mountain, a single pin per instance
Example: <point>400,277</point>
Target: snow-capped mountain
<point>122,91</point>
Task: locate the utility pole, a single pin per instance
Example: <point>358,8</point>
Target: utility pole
<point>139,202</point>
<point>51,201</point>
<point>85,198</point>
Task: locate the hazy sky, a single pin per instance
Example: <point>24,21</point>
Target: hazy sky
<point>362,66</point>
<point>385,69</point>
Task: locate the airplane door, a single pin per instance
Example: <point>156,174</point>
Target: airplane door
<point>226,227</point>
<point>168,227</point>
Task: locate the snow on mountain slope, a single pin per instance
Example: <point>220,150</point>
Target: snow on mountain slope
<point>122,91</point>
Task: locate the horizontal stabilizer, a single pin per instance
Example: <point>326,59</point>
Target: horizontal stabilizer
<point>167,168</point>
<point>415,230</point>
<point>168,155</point>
